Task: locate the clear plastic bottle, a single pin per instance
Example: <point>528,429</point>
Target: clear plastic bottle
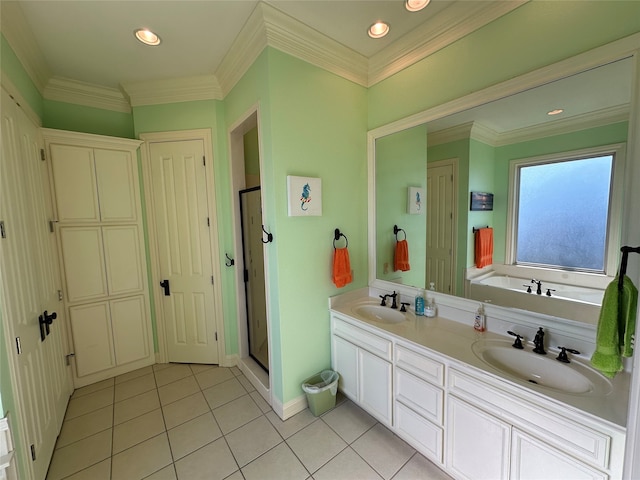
<point>419,306</point>
<point>479,321</point>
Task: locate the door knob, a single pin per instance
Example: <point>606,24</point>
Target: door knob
<point>45,320</point>
<point>165,284</point>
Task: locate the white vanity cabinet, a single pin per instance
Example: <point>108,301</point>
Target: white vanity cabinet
<point>496,433</point>
<point>419,400</point>
<point>363,361</point>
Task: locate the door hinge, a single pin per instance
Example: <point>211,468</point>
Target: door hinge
<point>216,336</point>
<point>211,279</point>
<point>246,276</point>
<point>52,224</point>
<point>18,345</point>
<point>67,358</point>
<point>208,222</point>
<point>3,232</point>
<point>204,162</point>
<point>60,296</point>
<point>43,157</point>
<point>33,452</point>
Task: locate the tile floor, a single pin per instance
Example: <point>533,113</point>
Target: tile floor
<point>179,421</point>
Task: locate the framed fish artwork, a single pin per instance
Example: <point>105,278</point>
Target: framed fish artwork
<point>416,201</point>
<point>305,196</point>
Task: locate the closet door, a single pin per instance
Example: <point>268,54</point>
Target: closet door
<point>129,326</point>
<point>116,185</point>
<point>92,337</point>
<point>122,255</point>
<point>83,260</point>
<point>74,179</point>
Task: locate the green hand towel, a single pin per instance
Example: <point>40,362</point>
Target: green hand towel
<point>616,325</point>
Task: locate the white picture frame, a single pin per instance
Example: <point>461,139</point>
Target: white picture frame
<point>416,201</point>
<point>304,196</point>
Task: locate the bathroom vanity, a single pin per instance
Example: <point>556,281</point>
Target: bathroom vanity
<point>456,397</point>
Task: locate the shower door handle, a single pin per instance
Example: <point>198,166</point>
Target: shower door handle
<point>165,284</point>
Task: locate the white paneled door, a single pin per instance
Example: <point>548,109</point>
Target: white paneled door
<point>440,222</point>
<point>183,230</point>
<point>30,284</point>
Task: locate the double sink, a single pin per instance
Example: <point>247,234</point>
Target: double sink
<point>577,377</point>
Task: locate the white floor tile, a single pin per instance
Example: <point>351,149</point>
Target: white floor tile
<point>213,376</point>
<point>192,435</point>
<point>137,430</point>
<point>94,387</point>
<point>85,425</point>
<point>135,386</point>
<point>141,372</point>
<point>99,471</point>
<point>223,393</point>
<point>167,473</point>
<point>349,421</point>
<point>89,403</point>
<point>212,462</point>
<point>315,445</point>
<point>170,374</point>
<point>236,414</point>
<point>419,468</point>
<point>135,406</point>
<point>177,390</point>
<point>184,409</point>
<point>252,440</point>
<point>279,463</point>
<point>292,425</point>
<point>260,401</point>
<point>384,451</point>
<point>347,465</point>
<point>80,455</point>
<point>142,460</point>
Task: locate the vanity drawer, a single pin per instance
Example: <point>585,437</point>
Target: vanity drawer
<point>368,341</point>
<point>420,396</point>
<point>420,365</point>
<point>423,435</point>
<point>559,430</point>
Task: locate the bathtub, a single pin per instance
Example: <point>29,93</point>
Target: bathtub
<point>568,301</point>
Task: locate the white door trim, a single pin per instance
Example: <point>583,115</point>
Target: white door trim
<point>154,260</point>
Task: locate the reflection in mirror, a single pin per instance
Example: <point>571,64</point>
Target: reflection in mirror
<point>476,148</point>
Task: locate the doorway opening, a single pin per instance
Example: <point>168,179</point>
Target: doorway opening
<point>253,321</point>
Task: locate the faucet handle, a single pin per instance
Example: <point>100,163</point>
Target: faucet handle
<point>518,341</point>
<point>403,308</point>
<point>562,357</point>
<point>383,303</point>
<point>549,290</point>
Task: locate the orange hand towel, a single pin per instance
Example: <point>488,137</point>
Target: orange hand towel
<point>484,247</point>
<point>401,258</point>
<point>341,267</point>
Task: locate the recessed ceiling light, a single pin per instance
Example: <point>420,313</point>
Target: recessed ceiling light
<point>147,37</point>
<point>416,5</point>
<point>378,29</point>
<point>557,111</point>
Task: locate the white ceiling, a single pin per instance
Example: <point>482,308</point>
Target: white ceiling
<point>92,41</point>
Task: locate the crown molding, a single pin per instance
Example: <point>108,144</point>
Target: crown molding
<point>450,25</point>
<point>186,89</point>
<point>17,32</point>
<point>484,134</point>
<point>297,39</point>
<point>244,51</point>
<point>87,94</point>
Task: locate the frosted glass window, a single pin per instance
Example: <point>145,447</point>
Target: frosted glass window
<point>563,213</point>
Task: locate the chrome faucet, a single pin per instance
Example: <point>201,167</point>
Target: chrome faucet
<point>539,283</point>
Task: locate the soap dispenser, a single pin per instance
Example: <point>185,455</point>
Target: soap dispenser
<point>430,309</point>
<point>419,306</point>
<point>479,321</point>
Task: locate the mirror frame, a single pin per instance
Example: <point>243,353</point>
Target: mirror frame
<point>628,47</point>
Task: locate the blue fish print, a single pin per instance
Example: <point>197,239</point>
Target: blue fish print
<point>305,197</point>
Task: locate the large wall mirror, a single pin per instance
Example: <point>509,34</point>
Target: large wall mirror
<point>423,169</point>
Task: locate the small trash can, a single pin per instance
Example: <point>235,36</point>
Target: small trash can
<point>321,391</point>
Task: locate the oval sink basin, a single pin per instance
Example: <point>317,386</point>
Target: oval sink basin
<point>543,370</point>
<point>377,313</point>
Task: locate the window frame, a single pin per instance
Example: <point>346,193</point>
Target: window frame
<point>614,217</point>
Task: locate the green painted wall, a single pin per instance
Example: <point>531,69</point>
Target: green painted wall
<point>534,35</point>
<point>78,118</point>
<point>318,129</point>
<point>251,153</point>
<point>17,75</point>
<point>401,162</point>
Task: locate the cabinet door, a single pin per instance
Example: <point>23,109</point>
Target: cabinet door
<point>374,383</point>
<point>123,259</point>
<point>74,179</point>
<point>534,460</point>
<point>477,443</point>
<point>83,260</point>
<point>345,362</point>
<point>129,323</point>
<point>92,338</point>
<point>116,179</point>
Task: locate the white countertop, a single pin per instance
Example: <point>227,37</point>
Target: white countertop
<point>454,340</point>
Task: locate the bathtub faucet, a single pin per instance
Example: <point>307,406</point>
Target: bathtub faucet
<point>539,283</point>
